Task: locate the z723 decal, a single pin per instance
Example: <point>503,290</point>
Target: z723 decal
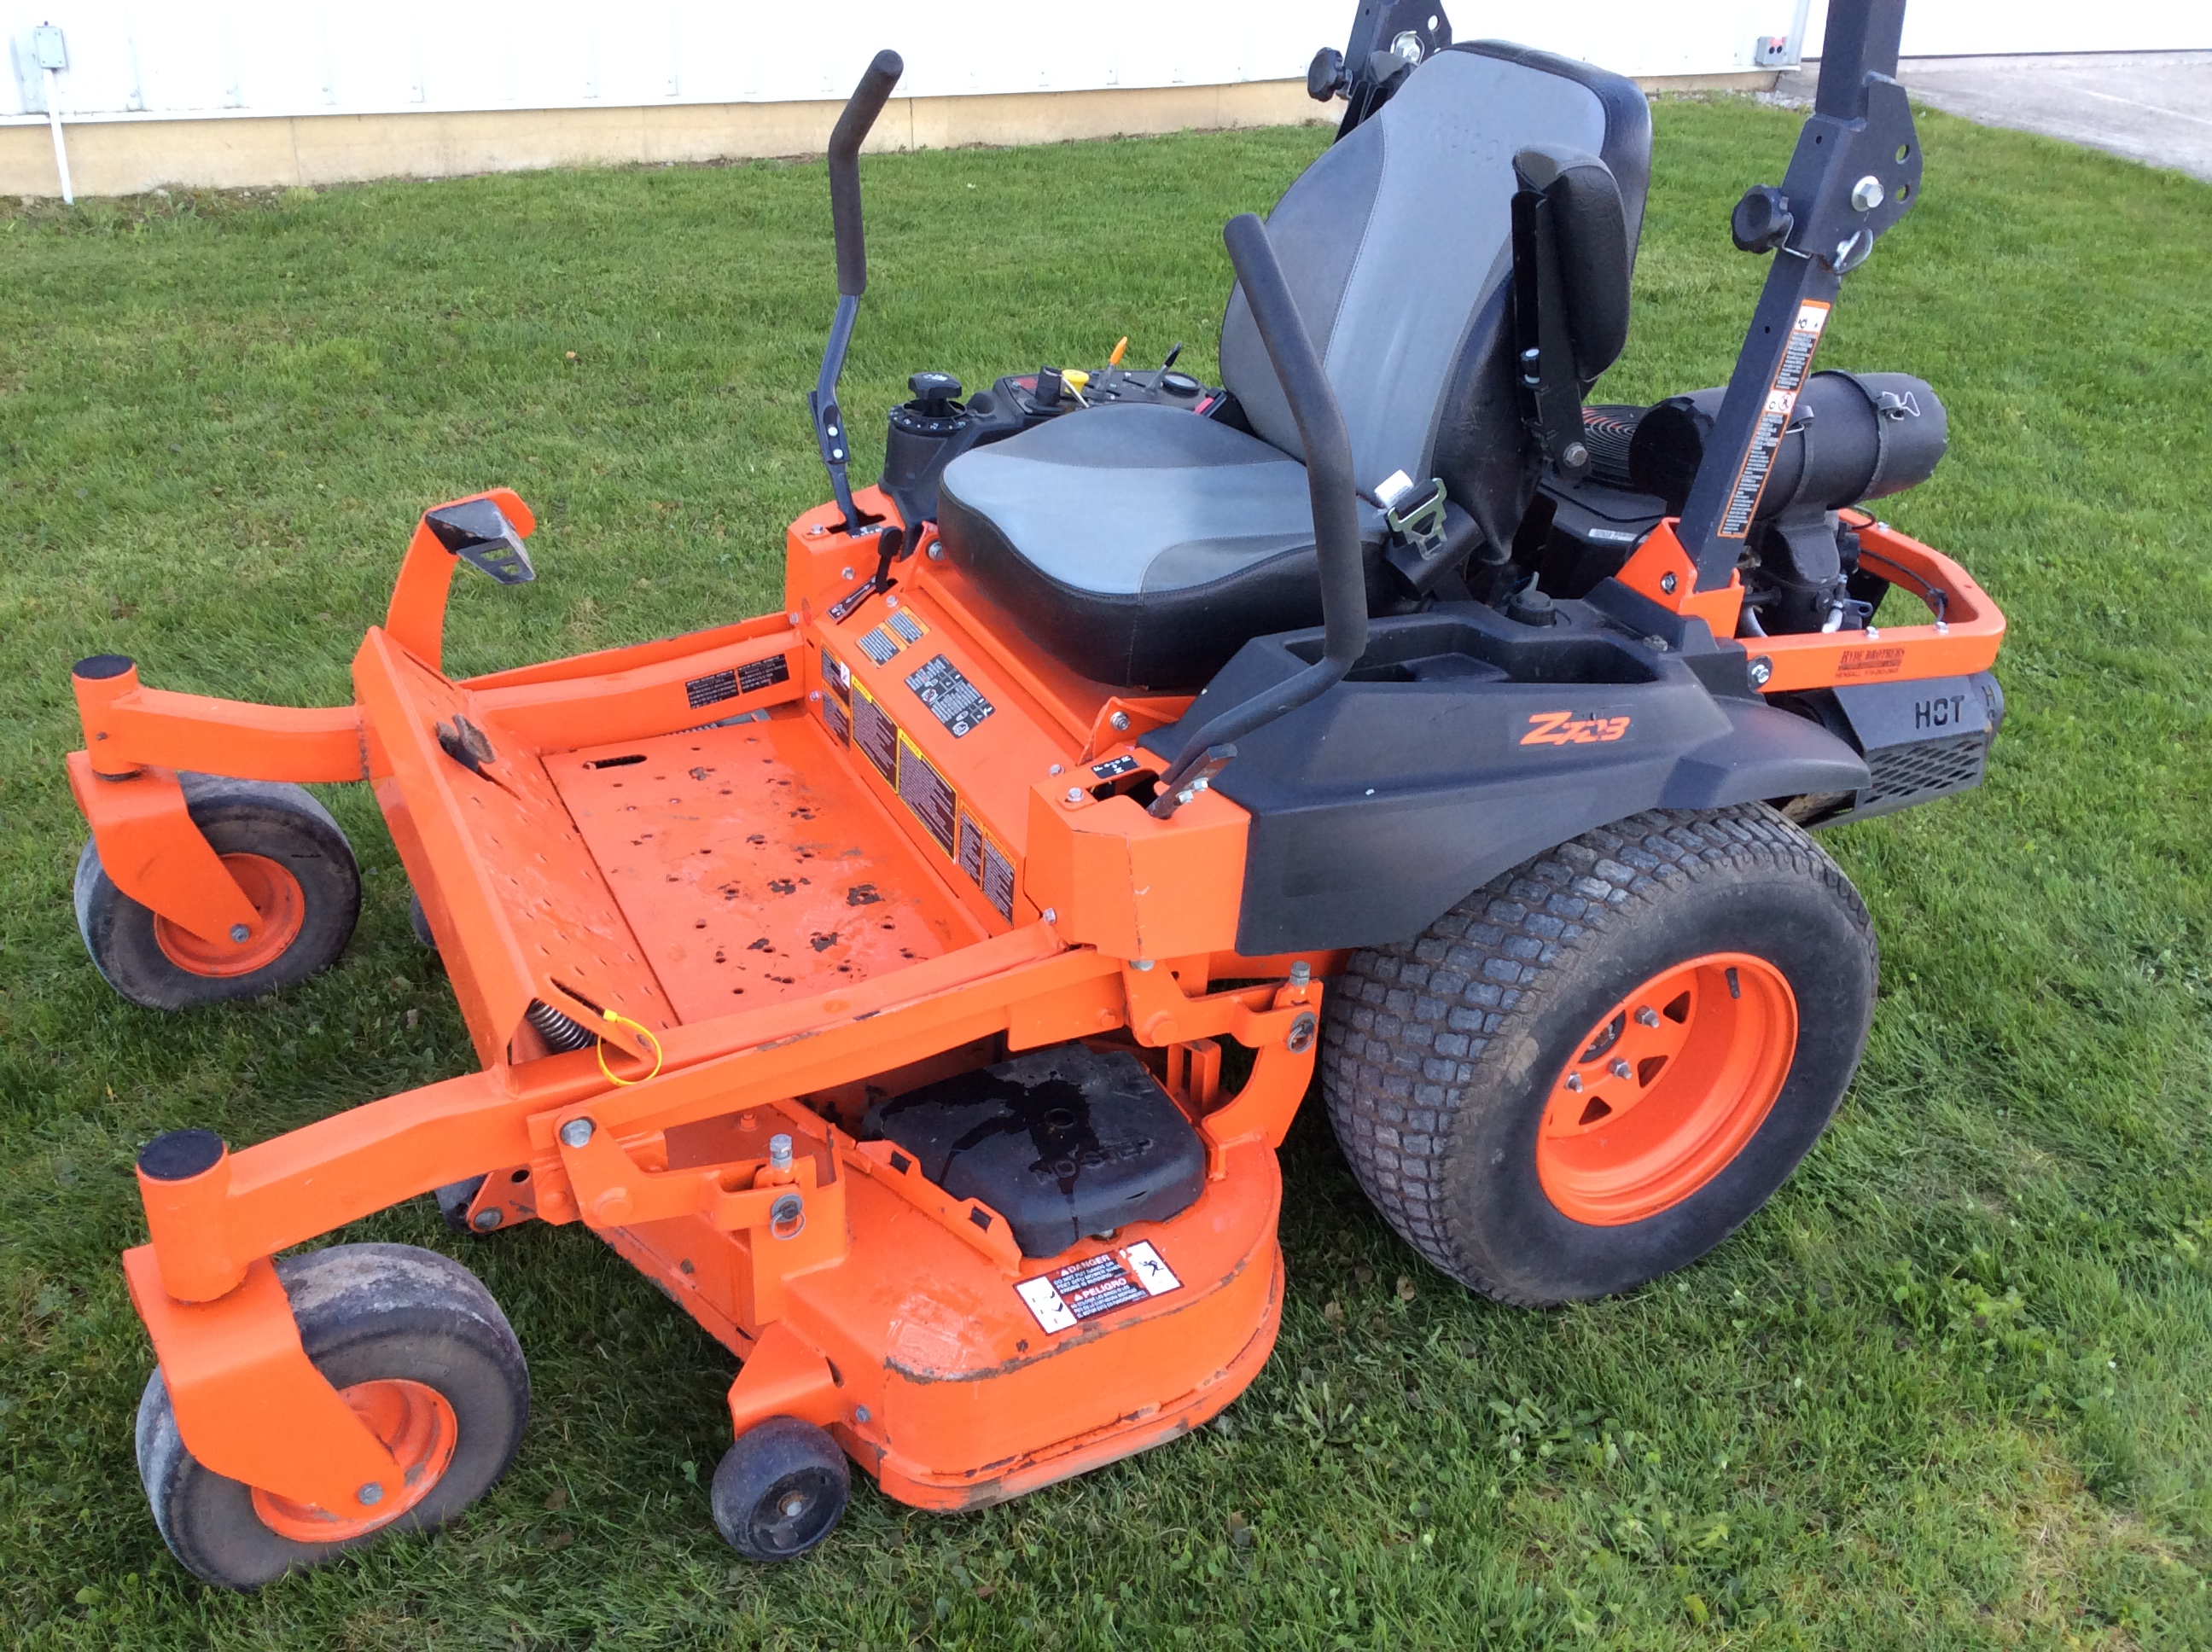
<point>1565,728</point>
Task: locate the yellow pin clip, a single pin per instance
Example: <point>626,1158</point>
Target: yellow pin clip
<point>643,1031</point>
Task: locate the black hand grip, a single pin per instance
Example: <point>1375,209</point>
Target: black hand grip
<point>1329,483</point>
<point>852,130</point>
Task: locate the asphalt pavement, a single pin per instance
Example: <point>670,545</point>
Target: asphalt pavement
<point>2151,106</point>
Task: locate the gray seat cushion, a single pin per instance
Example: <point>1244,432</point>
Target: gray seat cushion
<point>1140,545</point>
<point>1143,546</point>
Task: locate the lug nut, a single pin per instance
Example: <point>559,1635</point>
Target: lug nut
<point>576,1132</point>
<point>1575,1083</point>
<point>779,1152</point>
<point>238,932</point>
<point>1618,1067</point>
<point>371,1493</point>
<point>1647,1017</point>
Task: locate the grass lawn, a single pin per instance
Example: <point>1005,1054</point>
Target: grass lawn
<point>1948,1390</point>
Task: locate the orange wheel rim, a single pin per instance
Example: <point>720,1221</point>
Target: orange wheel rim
<point>277,898</point>
<point>416,1423</point>
<point>1663,1092</point>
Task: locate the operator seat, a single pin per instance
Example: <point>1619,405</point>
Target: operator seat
<point>1142,546</point>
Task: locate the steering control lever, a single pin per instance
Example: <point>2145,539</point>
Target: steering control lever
<point>829,428</point>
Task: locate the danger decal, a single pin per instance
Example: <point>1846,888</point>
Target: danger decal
<point>1565,728</point>
<point>1064,1299</point>
<point>1790,375</point>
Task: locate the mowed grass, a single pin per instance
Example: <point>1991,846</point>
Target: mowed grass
<point>1948,1390</point>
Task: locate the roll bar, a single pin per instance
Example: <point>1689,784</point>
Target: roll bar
<point>1335,510</point>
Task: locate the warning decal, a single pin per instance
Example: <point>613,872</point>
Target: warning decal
<point>1064,1299</point>
<point>875,734</point>
<point>833,713</point>
<point>986,865</point>
<point>837,675</point>
<point>925,792</point>
<point>951,698</point>
<point>757,674</point>
<point>1774,418</point>
<point>712,689</point>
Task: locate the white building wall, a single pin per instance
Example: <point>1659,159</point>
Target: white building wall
<point>168,58</point>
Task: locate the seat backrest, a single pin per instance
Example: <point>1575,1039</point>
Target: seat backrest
<point>1397,244</point>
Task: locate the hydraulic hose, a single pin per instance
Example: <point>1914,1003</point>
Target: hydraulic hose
<point>1329,483</point>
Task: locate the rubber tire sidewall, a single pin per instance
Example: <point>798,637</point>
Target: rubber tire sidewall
<point>282,822</point>
<point>364,1311</point>
<point>760,1457</point>
<point>1500,1231</point>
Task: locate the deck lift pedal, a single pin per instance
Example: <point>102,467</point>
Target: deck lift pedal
<point>867,972</point>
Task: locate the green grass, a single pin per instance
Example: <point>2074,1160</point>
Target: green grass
<point>1948,1390</point>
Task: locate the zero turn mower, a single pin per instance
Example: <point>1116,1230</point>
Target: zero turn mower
<point>867,972</point>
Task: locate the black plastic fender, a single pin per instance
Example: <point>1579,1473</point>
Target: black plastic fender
<point>1463,743</point>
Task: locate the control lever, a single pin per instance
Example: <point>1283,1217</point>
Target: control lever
<point>829,428</point>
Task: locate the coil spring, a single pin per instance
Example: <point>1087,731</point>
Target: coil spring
<point>561,1034</point>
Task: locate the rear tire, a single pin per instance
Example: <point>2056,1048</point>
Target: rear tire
<point>1458,1068</point>
<point>288,854</point>
<point>393,1315</point>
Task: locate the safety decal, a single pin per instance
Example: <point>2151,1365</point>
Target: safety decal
<point>925,792</point>
<point>1064,1299</point>
<point>951,698</point>
<point>837,675</point>
<point>880,645</point>
<point>838,719</point>
<point>1565,728</point>
<point>987,866</point>
<point>906,625</point>
<point>1790,375</point>
<point>757,674</point>
<point>875,734</point>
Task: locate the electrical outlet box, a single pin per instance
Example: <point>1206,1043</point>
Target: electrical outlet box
<point>48,49</point>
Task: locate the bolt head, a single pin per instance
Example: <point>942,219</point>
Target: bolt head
<point>1575,1083</point>
<point>241,933</point>
<point>576,1133</point>
<point>1121,721</point>
<point>779,1150</point>
<point>1075,794</point>
<point>369,1494</point>
<point>847,575</point>
<point>1762,668</point>
<point>890,602</point>
<point>937,550</point>
<point>1050,915</point>
<point>860,1413</point>
<point>1301,973</point>
<point>1054,769</point>
<point>1647,1017</point>
<point>1618,1067</point>
<point>1141,964</point>
<point>1668,582</point>
<point>1575,455</point>
<point>484,1221</point>
<point>1866,193</point>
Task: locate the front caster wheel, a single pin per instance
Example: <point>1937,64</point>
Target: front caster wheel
<point>292,862</point>
<point>781,1488</point>
<point>1596,1068</point>
<point>417,1345</point>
